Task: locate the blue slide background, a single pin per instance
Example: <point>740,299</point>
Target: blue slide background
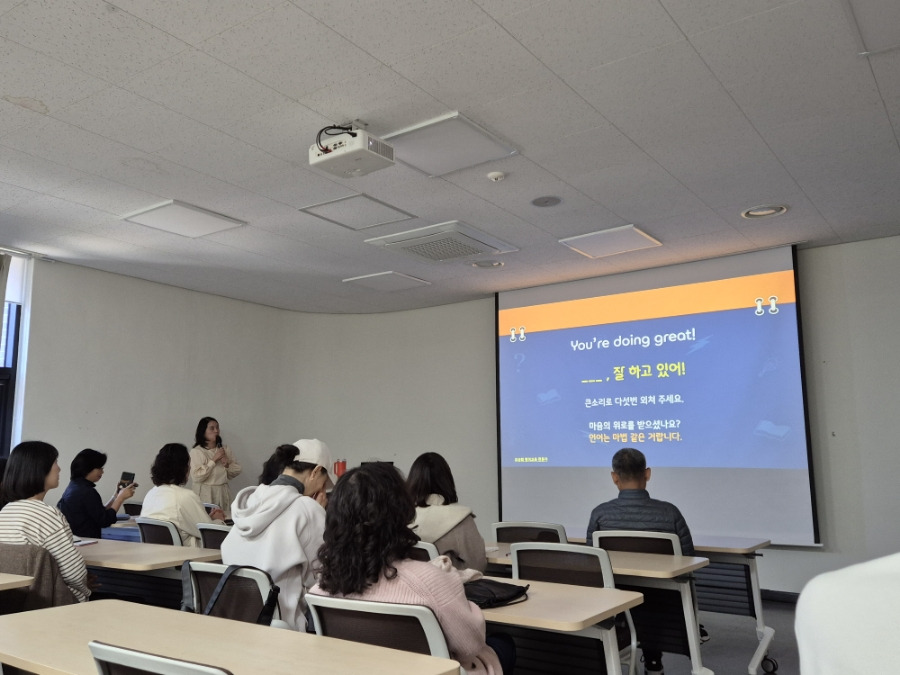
<point>742,392</point>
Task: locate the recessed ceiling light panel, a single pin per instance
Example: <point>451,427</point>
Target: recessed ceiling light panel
<point>357,212</point>
<point>447,143</point>
<point>183,219</point>
<point>610,242</point>
<point>452,240</point>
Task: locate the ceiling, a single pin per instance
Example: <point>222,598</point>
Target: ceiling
<point>672,115</point>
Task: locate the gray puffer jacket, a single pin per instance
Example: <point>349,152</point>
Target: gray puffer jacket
<point>635,510</point>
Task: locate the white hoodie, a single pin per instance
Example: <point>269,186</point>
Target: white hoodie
<point>280,531</point>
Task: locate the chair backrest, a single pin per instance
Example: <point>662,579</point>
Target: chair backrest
<point>155,531</point>
<point>561,563</point>
<point>48,588</point>
<point>412,628</point>
<point>132,508</point>
<point>638,541</point>
<point>209,507</point>
<point>213,534</point>
<point>113,660</point>
<point>424,551</point>
<point>244,594</point>
<point>511,532</point>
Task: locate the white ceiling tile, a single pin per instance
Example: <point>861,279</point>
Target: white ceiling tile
<point>476,68</point>
<point>41,83</point>
<point>16,114</point>
<point>92,35</point>
<point>375,30</point>
<point>696,16</point>
<point>211,152</point>
<point>289,51</point>
<point>669,229</point>
<point>196,20</point>
<point>382,98</point>
<point>18,231</point>
<point>105,195</point>
<point>202,88</point>
<point>130,119</point>
<point>34,173</point>
<point>639,192</point>
<point>10,195</point>
<point>59,212</point>
<point>286,130</point>
<point>296,186</point>
<point>878,22</point>
<point>791,63</point>
<point>501,9</point>
<point>574,35</point>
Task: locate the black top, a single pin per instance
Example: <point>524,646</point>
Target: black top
<point>635,510</point>
<point>83,508</point>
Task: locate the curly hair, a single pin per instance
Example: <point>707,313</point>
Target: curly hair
<point>272,468</point>
<point>430,475</point>
<point>170,467</point>
<point>366,529</point>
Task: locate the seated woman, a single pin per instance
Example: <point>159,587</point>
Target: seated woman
<point>278,528</point>
<point>439,519</point>
<point>367,541</point>
<point>272,468</point>
<point>173,502</point>
<point>81,504</point>
<point>32,471</point>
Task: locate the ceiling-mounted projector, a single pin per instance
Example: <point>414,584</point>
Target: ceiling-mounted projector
<point>350,153</point>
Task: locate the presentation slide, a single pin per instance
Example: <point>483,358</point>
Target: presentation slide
<point>697,366</point>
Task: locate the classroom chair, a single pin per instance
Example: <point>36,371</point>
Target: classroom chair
<point>424,551</point>
<point>132,508</point>
<point>579,566</point>
<point>411,628</point>
<point>242,598</point>
<point>155,531</point>
<point>637,541</point>
<point>213,534</point>
<point>510,532</point>
<point>113,660</point>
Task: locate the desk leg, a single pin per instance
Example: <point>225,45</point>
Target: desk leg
<point>611,649</point>
<point>763,633</point>
<point>686,589</point>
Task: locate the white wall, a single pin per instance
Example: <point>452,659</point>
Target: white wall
<point>124,365</point>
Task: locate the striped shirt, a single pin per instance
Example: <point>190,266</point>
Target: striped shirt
<point>31,521</point>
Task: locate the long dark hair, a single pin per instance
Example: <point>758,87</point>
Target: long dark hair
<point>430,474</point>
<point>170,467</point>
<point>200,434</point>
<point>366,529</point>
<point>272,468</point>
<point>26,471</point>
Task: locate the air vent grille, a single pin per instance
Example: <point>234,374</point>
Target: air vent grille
<point>444,248</point>
<point>445,241</point>
<point>382,148</point>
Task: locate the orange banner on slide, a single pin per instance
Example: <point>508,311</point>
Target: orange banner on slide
<point>699,298</point>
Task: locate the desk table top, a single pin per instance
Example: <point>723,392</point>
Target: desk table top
<point>139,557</point>
<point>8,581</point>
<point>561,607</point>
<point>649,565</point>
<point>242,648</point>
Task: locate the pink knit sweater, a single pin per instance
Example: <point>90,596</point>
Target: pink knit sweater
<point>441,590</point>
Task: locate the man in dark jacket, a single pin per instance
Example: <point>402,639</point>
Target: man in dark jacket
<point>633,509</point>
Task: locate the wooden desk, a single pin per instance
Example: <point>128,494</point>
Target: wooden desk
<point>242,648</point>
<point>648,565</point>
<point>9,581</point>
<point>138,557</point>
<point>730,585</point>
<point>568,609</point>
<point>647,570</point>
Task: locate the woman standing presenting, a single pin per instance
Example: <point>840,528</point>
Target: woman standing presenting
<point>212,466</point>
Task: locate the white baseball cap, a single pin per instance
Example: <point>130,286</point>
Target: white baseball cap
<point>314,451</point>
